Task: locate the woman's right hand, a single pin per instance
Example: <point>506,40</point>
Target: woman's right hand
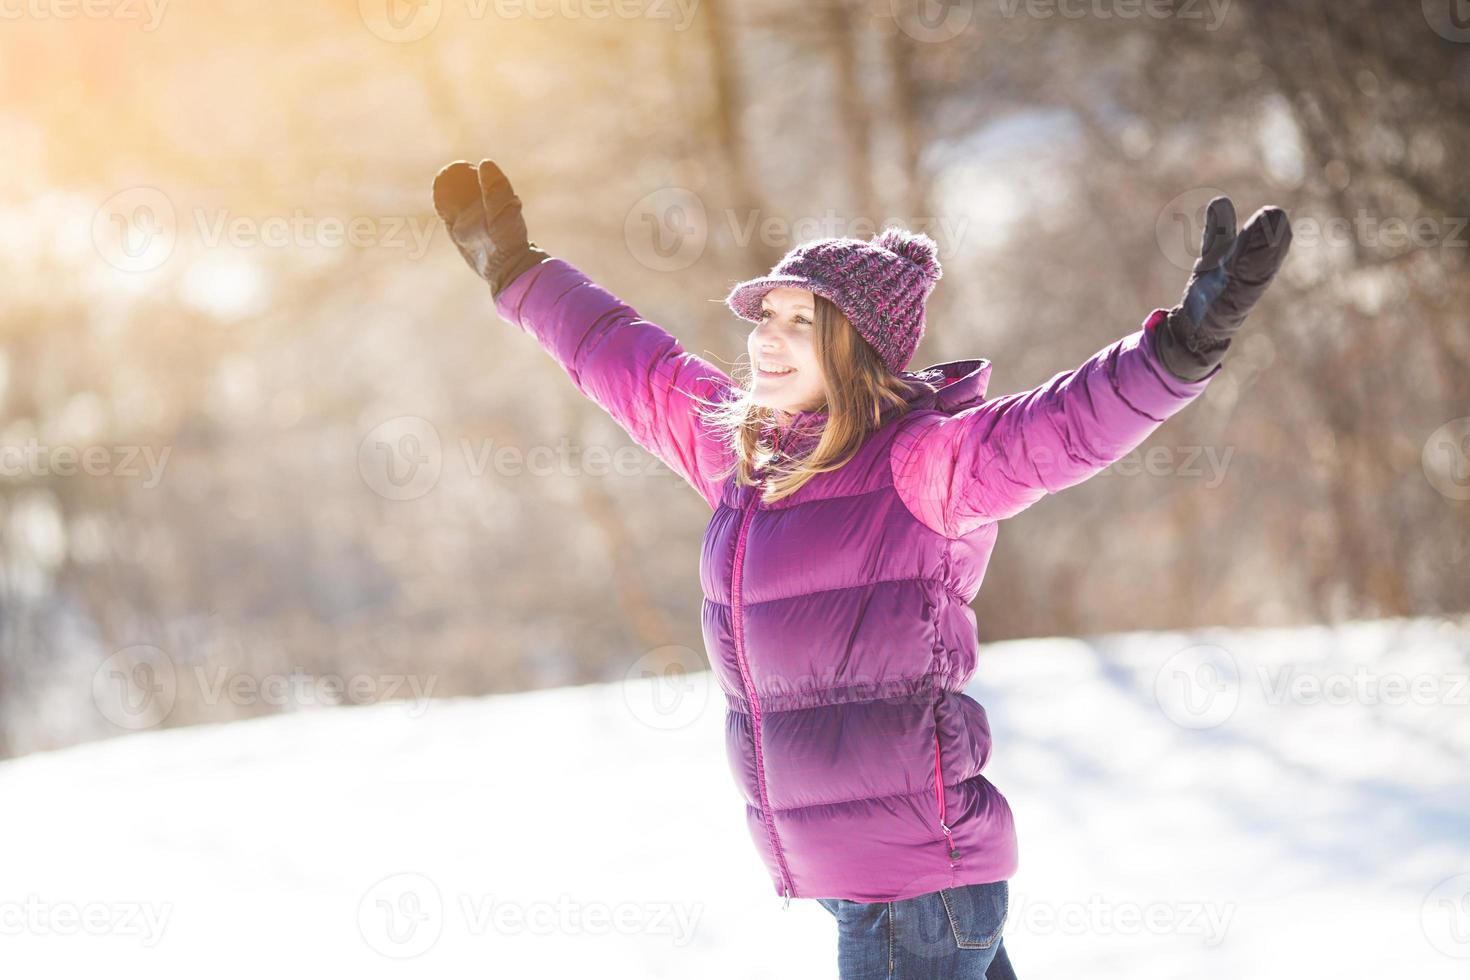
<point>484,219</point>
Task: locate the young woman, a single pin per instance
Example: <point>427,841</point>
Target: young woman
<point>855,508</point>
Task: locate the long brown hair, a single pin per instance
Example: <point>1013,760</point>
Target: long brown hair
<point>859,391</point>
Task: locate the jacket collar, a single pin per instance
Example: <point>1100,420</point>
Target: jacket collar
<point>961,384</point>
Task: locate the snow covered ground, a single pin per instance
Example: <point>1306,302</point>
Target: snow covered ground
<point>1234,804</point>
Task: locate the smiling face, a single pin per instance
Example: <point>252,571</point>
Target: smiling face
<point>783,352</point>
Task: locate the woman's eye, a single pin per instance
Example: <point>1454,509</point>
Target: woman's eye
<point>800,319</point>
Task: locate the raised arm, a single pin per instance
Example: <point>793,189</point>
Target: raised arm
<point>633,369</point>
<point>957,472</point>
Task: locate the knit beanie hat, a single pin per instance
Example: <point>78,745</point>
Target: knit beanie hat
<point>880,285</point>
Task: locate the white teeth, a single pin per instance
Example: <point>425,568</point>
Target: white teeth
<point>774,368</point>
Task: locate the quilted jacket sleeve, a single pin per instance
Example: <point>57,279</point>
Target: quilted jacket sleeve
<point>993,460</point>
<point>635,370</point>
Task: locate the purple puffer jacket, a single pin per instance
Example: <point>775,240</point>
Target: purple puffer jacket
<point>838,621</point>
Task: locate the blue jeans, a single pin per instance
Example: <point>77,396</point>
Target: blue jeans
<point>951,934</point>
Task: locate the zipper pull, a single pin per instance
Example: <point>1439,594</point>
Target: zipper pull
<point>954,852</point>
<point>785,891</point>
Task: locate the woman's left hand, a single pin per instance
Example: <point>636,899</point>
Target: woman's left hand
<point>1228,278</point>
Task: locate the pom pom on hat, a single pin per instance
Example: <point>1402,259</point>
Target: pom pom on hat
<point>917,247</point>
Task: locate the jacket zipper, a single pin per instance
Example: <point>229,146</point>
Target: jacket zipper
<point>755,704</point>
<point>939,792</point>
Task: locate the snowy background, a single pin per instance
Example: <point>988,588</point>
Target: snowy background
<point>1276,803</point>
